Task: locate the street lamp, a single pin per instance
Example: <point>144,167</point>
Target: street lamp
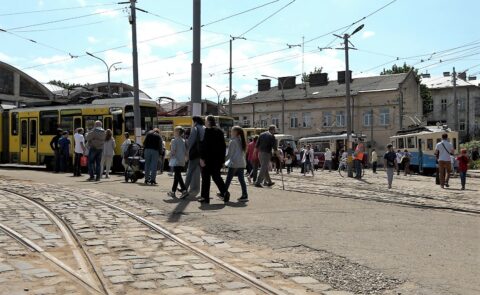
<point>108,69</point>
<point>218,97</point>
<point>281,83</point>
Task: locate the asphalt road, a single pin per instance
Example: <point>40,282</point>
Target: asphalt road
<point>437,250</point>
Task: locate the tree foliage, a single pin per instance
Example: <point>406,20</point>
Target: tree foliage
<point>66,85</point>
<point>306,77</point>
<point>425,93</point>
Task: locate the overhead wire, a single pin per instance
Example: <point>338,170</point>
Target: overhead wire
<point>267,18</point>
<point>57,9</point>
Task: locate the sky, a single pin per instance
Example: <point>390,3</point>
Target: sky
<point>415,32</point>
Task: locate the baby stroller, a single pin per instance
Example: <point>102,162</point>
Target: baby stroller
<point>135,163</point>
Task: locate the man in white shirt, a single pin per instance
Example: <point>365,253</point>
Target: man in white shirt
<point>399,161</point>
<point>79,141</point>
<point>443,150</point>
<point>328,160</point>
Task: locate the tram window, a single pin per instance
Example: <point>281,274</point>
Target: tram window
<point>129,122</point>
<point>438,140</point>
<point>66,123</point>
<point>24,132</point>
<point>149,118</point>
<point>410,142</point>
<point>14,123</point>
<point>48,122</point>
<point>107,123</point>
<point>33,133</point>
<point>400,144</point>
<point>430,144</point>
<point>89,122</point>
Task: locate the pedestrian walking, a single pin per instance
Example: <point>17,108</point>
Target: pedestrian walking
<point>406,158</point>
<point>95,141</point>
<point>307,161</point>
<point>443,150</point>
<point>249,165</point>
<point>463,167</point>
<point>373,161</point>
<point>161,159</point>
<point>399,155</point>
<point>300,157</point>
<point>108,152</point>
<point>236,161</point>
<point>265,144</point>
<point>152,148</point>
<point>390,163</point>
<point>56,149</point>
<point>328,160</point>
<point>64,145</point>
<point>178,153</point>
<point>124,147</point>
<point>197,133</point>
<point>358,159</point>
<point>79,149</point>
<point>252,156</point>
<point>289,163</point>
<point>212,159</point>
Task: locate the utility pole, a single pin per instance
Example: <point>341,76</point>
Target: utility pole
<point>303,55</point>
<point>136,93</point>
<point>230,73</point>
<point>196,90</point>
<point>455,101</point>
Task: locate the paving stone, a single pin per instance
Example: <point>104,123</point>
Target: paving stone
<point>304,280</point>
<point>203,266</point>
<point>201,273</point>
<point>238,292</point>
<point>337,293</point>
<point>150,276</point>
<point>47,274</point>
<point>173,283</point>
<point>144,285</point>
<point>5,267</point>
<point>179,291</point>
<point>162,269</point>
<point>211,288</point>
<point>114,273</point>
<point>21,265</point>
<point>121,279</point>
<point>142,271</point>
<point>95,243</point>
<point>175,263</point>
<point>288,271</point>
<point>235,285</point>
<point>237,250</point>
<point>318,287</point>
<point>45,290</point>
<point>273,265</point>
<point>203,280</point>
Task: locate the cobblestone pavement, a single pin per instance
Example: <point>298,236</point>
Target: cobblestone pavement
<point>131,258</point>
<point>413,190</point>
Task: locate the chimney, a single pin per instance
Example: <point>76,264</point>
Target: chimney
<point>426,75</point>
<point>446,74</point>
<point>472,78</point>
<point>462,76</point>
<point>263,85</point>
<point>318,79</point>
<point>288,82</point>
<point>341,77</point>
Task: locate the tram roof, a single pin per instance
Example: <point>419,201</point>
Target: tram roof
<point>328,137</point>
<point>422,131</point>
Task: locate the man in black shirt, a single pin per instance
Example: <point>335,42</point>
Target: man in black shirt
<point>56,149</point>
<point>153,146</point>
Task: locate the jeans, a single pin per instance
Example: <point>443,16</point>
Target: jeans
<point>390,172</point>
<point>94,160</point>
<point>328,163</point>
<point>307,166</point>
<point>76,165</point>
<point>151,162</point>
<point>192,180</point>
<point>264,165</point>
<point>214,173</point>
<point>374,167</point>
<point>463,178</point>
<point>177,179</point>
<point>58,160</point>
<point>238,172</point>
<point>358,168</point>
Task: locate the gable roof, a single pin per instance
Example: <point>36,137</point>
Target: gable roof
<point>332,89</point>
<point>447,82</point>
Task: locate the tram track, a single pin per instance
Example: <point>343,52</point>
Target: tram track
<point>259,285</point>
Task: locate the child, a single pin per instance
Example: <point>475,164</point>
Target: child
<point>316,163</point>
<point>288,163</point>
<point>236,161</point>
<point>463,167</point>
<point>178,152</point>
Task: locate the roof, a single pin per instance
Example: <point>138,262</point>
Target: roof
<point>447,82</point>
<point>332,89</point>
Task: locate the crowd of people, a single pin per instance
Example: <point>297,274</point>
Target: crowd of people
<point>204,153</point>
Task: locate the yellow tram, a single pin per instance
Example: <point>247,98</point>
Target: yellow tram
<point>26,132</point>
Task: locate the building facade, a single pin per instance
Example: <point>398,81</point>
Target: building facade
<point>442,110</point>
<point>381,105</point>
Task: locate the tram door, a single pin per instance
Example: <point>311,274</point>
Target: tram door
<point>108,122</point>
<point>28,141</point>
<point>77,122</point>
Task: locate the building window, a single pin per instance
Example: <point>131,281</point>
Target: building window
<point>327,119</point>
<point>307,120</point>
<point>276,120</point>
<point>263,121</point>
<point>6,81</point>
<point>293,120</point>
<point>462,125</point>
<point>430,144</point>
<point>443,105</point>
<point>367,119</point>
<point>461,104</point>
<point>30,89</point>
<point>246,122</point>
<point>385,117</point>
<point>340,119</point>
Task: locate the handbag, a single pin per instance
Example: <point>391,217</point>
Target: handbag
<point>83,161</point>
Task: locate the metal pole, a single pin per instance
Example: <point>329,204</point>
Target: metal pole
<point>108,77</point>
<point>455,101</point>
<point>347,104</point>
<point>230,104</point>
<point>371,128</point>
<point>283,111</point>
<point>196,90</point>
<point>136,93</point>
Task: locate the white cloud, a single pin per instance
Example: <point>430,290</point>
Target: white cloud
<point>40,3</point>
<point>82,2</point>
<point>107,12</point>
<point>92,40</point>
<point>368,34</point>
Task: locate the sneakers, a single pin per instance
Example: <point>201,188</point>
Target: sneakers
<point>171,194</point>
<point>258,185</point>
<point>446,185</point>
<point>243,199</point>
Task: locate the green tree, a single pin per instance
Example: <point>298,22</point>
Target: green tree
<point>66,85</point>
<point>425,93</point>
<point>306,77</point>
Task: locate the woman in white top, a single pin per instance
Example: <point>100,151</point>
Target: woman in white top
<point>108,152</point>
<point>79,141</point>
<point>308,160</point>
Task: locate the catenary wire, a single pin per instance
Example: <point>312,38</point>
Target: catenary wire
<point>57,9</point>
